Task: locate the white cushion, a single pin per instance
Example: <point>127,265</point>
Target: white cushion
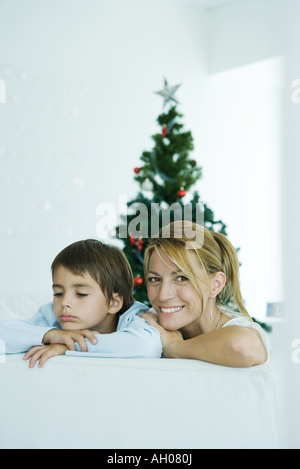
<point>137,403</point>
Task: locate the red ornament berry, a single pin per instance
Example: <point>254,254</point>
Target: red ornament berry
<point>181,193</point>
<point>136,170</point>
<point>140,244</point>
<point>138,280</point>
<point>165,131</point>
<point>131,241</point>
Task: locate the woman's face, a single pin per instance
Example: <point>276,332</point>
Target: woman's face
<point>172,295</point>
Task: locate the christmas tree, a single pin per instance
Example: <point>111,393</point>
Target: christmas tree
<point>166,175</point>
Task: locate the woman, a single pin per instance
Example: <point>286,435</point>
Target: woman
<point>189,283</point>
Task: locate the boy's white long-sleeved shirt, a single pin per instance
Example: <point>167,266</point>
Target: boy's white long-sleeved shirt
<point>134,337</point>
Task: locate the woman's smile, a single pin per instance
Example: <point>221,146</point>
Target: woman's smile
<point>168,310</point>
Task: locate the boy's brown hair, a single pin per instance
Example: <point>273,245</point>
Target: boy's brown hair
<point>106,264</point>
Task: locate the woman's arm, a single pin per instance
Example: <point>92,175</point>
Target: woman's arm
<point>234,346</point>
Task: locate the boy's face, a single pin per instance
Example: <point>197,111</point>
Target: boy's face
<point>79,303</point>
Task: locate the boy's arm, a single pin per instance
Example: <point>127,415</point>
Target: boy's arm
<point>134,338</point>
<point>20,335</point>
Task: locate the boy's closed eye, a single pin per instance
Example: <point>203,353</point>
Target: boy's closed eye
<point>60,294</point>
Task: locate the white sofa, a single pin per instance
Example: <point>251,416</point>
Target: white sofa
<point>137,403</point>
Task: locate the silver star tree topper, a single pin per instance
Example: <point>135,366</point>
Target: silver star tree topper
<point>168,93</point>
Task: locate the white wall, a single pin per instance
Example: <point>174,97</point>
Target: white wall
<point>245,31</point>
<point>241,142</point>
<point>242,172</point>
<point>80,108</point>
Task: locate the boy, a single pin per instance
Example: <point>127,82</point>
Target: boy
<point>93,311</point>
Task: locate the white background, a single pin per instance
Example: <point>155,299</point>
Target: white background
<point>80,109</point>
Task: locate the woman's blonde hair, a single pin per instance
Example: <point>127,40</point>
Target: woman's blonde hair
<point>213,252</point>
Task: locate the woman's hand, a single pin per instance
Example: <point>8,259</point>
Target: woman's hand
<point>43,353</point>
<point>169,339</point>
<point>68,338</point>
